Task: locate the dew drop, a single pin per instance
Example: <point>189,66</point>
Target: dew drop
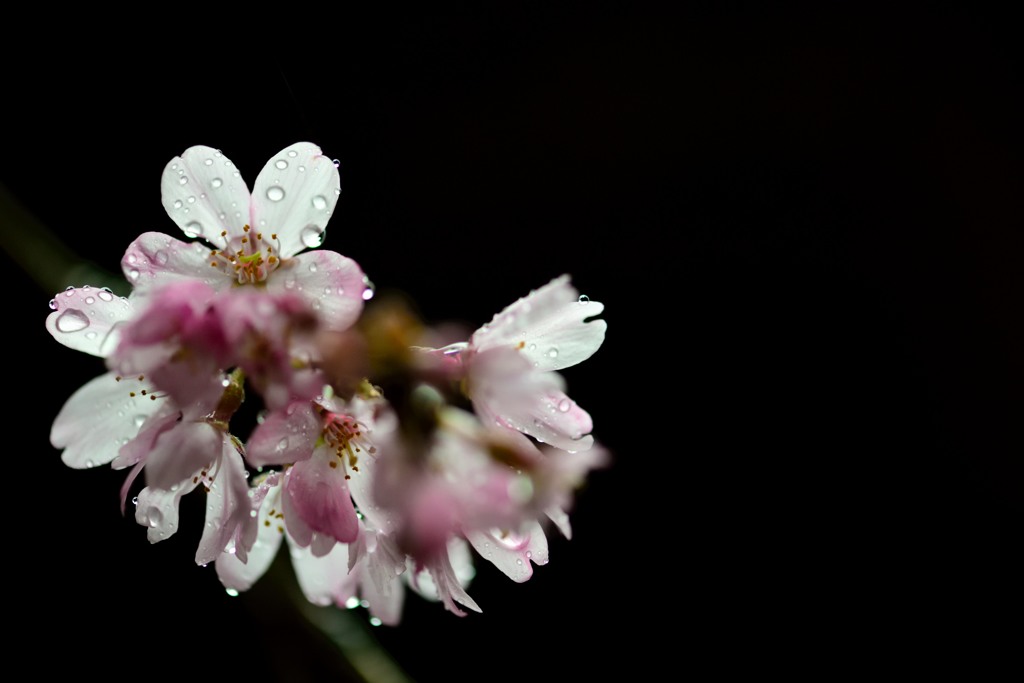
<point>90,335</point>
<point>216,182</point>
<point>312,267</point>
<point>319,202</point>
<point>106,294</point>
<point>193,229</point>
<point>135,500</point>
<point>90,463</point>
<point>369,289</point>
<point>302,169</point>
<point>312,235</point>
<point>133,274</point>
<point>328,291</point>
<point>253,513</point>
<point>374,621</point>
<point>552,352</point>
<point>232,592</point>
<point>584,299</point>
<point>177,203</point>
<point>282,444</point>
<point>72,320</point>
<point>292,153</point>
<point>336,163</point>
<point>53,304</point>
<point>208,162</point>
<point>564,405</point>
<point>519,561</point>
<point>191,200</point>
<point>289,283</point>
<point>155,517</point>
<point>90,300</point>
<point>161,258</point>
<point>138,420</point>
<point>280,164</point>
<point>131,258</point>
<point>275,193</point>
<point>529,553</point>
<point>183,180</point>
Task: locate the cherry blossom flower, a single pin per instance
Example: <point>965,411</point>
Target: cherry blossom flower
<point>252,239</point>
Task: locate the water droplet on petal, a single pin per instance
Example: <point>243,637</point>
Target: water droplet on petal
<point>90,335</point>
<point>564,405</point>
<point>216,182</point>
<point>90,300</point>
<point>302,169</point>
<point>232,592</point>
<point>183,180</point>
<point>135,500</point>
<point>312,267</point>
<point>161,258</point>
<point>584,299</point>
<point>529,553</point>
<point>131,258</point>
<point>282,444</point>
<point>336,163</point>
<point>177,203</point>
<point>552,352</point>
<point>374,621</point>
<point>193,229</point>
<point>519,561</point>
<point>208,162</point>
<point>289,283</point>
<point>292,153</point>
<point>90,463</point>
<point>275,193</point>
<point>369,289</point>
<point>133,274</point>
<point>155,517</point>
<point>319,202</point>
<point>138,420</point>
<point>280,164</point>
<point>53,304</point>
<point>312,236</point>
<point>106,294</point>
<point>352,602</point>
<point>72,320</point>
<point>191,200</point>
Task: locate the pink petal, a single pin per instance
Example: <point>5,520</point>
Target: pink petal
<point>323,579</point>
<point>547,326</point>
<point>155,259</point>
<point>137,450</point>
<point>88,319</point>
<point>157,510</point>
<point>331,284</point>
<point>204,194</point>
<point>240,576</point>
<point>317,494</point>
<point>381,586</point>
<point>446,584</point>
<point>513,553</point>
<point>285,436</point>
<point>294,196</point>
<point>97,420</point>
<point>560,519</point>
<point>181,451</point>
<point>227,505</point>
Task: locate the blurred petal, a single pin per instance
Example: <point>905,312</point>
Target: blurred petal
<point>181,451</point>
<point>323,578</point>
<point>331,284</point>
<point>285,436</point>
<point>227,505</point>
<point>513,553</point>
<point>239,576</point>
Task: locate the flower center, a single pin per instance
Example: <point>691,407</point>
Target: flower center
<point>345,434</point>
<point>252,261</point>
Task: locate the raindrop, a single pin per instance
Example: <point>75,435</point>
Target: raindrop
<point>328,291</point>
<point>519,561</point>
<point>208,162</point>
<point>552,352</point>
<point>161,258</point>
<point>131,258</point>
<point>374,621</point>
<point>193,229</point>
<point>281,164</point>
<point>90,300</point>
<point>183,180</point>
<point>216,182</point>
<point>253,513</point>
<point>106,294</point>
<point>275,193</point>
<point>336,163</point>
<point>529,553</point>
<point>564,405</point>
<point>72,320</point>
<point>133,274</point>
<point>312,235</point>
<point>584,299</point>
<point>191,200</point>
<point>135,500</point>
<point>90,463</point>
<point>352,602</point>
<point>312,267</point>
<point>155,517</point>
<point>292,153</point>
<point>319,202</point>
<point>177,203</point>
<point>225,382</point>
<point>232,592</point>
<point>289,283</point>
<point>282,444</point>
<point>369,290</point>
<point>53,304</point>
<point>302,169</point>
<point>90,335</point>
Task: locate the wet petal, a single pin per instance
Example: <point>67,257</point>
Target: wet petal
<point>294,196</point>
<point>513,553</point>
<point>88,319</point>
<point>285,436</point>
<point>560,519</point>
<point>548,326</point>
<point>180,452</point>
<point>227,505</point>
<point>157,510</point>
<point>155,259</point>
<point>445,583</point>
<point>318,494</point>
<point>98,420</point>
<point>323,579</point>
<point>240,576</point>
<point>204,194</point>
<point>331,284</point>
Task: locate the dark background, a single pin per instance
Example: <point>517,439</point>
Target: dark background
<point>805,225</point>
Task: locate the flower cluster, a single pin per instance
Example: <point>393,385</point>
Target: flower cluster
<point>382,454</point>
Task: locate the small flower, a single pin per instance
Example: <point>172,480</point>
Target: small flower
<point>252,239</point>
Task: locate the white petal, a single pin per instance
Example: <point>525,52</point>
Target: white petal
<point>547,326</point>
<point>97,420</point>
<point>560,519</point>
<point>155,259</point>
<point>157,510</point>
<point>239,576</point>
<point>294,196</point>
<point>226,505</point>
<point>322,578</point>
<point>87,319</point>
<point>514,554</point>
<point>333,285</point>
<point>204,194</point>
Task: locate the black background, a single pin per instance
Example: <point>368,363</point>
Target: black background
<point>806,228</point>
